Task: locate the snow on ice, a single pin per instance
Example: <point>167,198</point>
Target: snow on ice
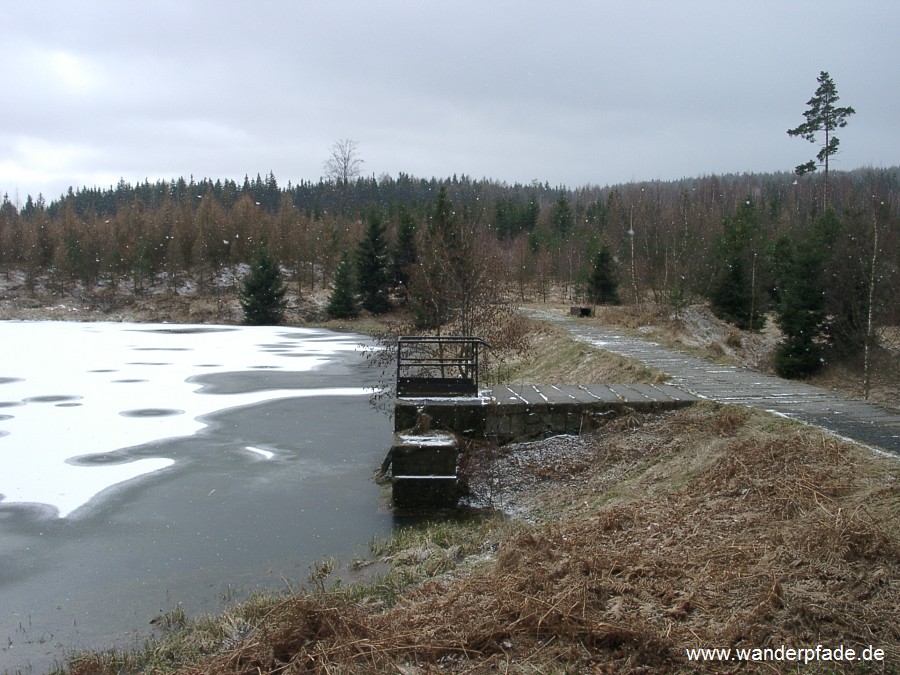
<point>69,390</point>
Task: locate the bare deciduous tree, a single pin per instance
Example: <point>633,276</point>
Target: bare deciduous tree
<point>344,163</point>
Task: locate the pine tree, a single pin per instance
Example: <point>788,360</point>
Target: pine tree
<point>802,313</point>
<point>604,283</point>
<point>822,115</point>
<point>372,279</point>
<point>562,217</point>
<point>342,302</point>
<point>404,255</point>
<point>730,296</point>
<point>262,291</point>
<point>780,254</point>
<point>733,295</point>
<point>801,316</point>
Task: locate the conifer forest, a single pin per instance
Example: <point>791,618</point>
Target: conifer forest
<point>753,246</point>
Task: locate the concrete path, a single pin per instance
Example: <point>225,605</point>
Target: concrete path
<point>857,420</point>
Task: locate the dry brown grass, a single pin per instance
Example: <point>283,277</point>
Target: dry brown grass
<point>775,536</point>
<point>555,357</point>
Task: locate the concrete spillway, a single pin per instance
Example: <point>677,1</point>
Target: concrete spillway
<point>427,429</point>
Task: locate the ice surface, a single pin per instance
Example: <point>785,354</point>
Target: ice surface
<point>265,454</point>
<point>70,392</point>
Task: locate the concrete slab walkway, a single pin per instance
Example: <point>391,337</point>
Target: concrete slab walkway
<point>854,419</point>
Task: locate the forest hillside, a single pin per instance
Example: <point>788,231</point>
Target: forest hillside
<point>759,250</point>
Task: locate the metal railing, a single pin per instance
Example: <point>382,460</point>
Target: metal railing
<point>438,365</point>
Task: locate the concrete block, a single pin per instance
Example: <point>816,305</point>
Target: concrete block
<point>429,454</point>
<point>517,424</point>
<point>558,420</point>
<point>404,415</point>
<point>417,493</point>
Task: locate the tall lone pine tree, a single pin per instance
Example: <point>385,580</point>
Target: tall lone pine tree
<point>822,115</point>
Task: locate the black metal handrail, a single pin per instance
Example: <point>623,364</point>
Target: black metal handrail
<point>438,365</point>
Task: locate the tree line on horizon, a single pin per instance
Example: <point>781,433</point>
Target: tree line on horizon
<point>749,244</point>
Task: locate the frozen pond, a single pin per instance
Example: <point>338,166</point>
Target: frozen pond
<point>147,465</point>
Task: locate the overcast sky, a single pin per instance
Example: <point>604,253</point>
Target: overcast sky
<point>570,93</point>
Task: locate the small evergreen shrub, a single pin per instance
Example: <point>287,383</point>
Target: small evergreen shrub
<point>342,301</point>
<point>262,292</point>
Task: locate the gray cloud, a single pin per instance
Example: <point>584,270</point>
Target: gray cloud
<point>569,92</point>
